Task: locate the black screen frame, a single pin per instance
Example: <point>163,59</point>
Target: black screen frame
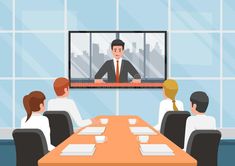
<point>129,87</point>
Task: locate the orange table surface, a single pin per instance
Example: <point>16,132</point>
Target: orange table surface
<point>121,148</point>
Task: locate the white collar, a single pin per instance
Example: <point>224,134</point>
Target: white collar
<point>115,60</point>
<point>58,97</point>
<point>36,114</point>
<point>201,115</point>
<point>168,99</point>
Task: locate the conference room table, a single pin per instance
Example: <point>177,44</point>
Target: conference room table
<point>120,148</point>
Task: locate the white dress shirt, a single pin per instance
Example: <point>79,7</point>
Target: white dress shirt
<point>38,121</point>
<point>65,104</point>
<point>119,64</point>
<point>198,122</point>
<point>167,105</point>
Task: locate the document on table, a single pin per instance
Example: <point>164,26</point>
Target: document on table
<point>155,150</point>
<point>92,131</point>
<point>79,150</point>
<point>142,131</point>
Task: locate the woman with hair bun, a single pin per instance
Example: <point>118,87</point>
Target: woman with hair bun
<point>34,104</point>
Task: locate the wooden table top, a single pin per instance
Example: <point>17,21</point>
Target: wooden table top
<point>121,148</point>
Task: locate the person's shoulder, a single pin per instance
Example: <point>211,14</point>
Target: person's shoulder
<point>212,121</point>
<point>165,101</point>
<point>64,99</point>
<point>52,103</point>
<point>44,119</point>
<point>108,61</point>
<point>23,120</point>
<point>179,101</point>
<point>210,118</point>
<point>180,104</point>
<point>68,101</point>
<point>52,100</point>
<point>165,104</point>
<point>191,118</point>
<point>126,61</point>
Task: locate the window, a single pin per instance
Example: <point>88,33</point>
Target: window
<point>34,51</point>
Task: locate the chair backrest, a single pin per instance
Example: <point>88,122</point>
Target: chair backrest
<point>173,126</point>
<point>60,124</point>
<point>30,146</point>
<point>203,146</point>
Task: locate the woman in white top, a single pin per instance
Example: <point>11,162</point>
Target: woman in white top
<point>170,89</point>
<point>34,104</point>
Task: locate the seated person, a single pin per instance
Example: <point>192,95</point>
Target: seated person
<point>34,104</point>
<point>170,89</point>
<point>63,103</point>
<point>199,102</point>
<point>117,68</point>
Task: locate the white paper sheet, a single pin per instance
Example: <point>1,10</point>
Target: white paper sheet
<point>92,131</point>
<point>142,131</point>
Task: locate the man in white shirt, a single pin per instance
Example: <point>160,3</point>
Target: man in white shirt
<point>200,121</point>
<point>63,103</point>
<point>117,69</point>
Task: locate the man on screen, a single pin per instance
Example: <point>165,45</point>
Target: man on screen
<point>117,68</point>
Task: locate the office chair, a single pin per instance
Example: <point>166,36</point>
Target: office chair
<point>173,126</point>
<point>30,146</point>
<point>203,146</point>
<point>60,124</point>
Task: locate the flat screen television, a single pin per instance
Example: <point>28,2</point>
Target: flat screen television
<point>92,61</point>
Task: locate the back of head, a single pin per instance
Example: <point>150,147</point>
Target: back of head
<point>170,89</point>
<point>60,84</point>
<point>32,102</point>
<point>201,100</point>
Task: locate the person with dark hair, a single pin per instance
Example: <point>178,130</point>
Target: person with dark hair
<point>200,121</point>
<point>117,69</point>
<point>34,104</point>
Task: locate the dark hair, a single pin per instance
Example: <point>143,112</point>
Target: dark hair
<point>32,102</point>
<point>201,100</point>
<point>117,42</point>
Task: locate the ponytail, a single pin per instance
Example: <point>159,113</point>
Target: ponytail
<point>27,106</point>
<point>175,108</point>
<point>32,102</point>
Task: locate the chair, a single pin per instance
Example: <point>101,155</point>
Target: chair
<point>173,126</point>
<point>203,146</point>
<point>60,124</point>
<point>30,146</point>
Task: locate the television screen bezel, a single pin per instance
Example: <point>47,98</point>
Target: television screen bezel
<point>117,85</point>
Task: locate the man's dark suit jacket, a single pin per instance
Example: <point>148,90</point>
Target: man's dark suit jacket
<point>126,67</point>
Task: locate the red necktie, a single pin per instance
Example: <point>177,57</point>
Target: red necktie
<point>117,72</point>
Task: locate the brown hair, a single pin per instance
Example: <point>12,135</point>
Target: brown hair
<point>32,102</point>
<point>60,84</point>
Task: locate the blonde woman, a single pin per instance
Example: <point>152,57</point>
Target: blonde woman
<point>170,89</point>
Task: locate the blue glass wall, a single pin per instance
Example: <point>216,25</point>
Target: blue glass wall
<point>201,44</point>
